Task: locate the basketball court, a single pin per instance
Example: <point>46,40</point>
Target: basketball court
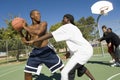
<point>98,65</point>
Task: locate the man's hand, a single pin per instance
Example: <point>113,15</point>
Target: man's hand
<point>109,44</point>
<point>24,24</point>
<point>98,40</point>
<point>24,41</point>
<point>27,42</point>
<point>67,55</point>
<point>31,42</point>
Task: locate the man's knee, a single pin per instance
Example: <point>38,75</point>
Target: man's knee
<point>28,76</point>
<point>81,70</point>
<point>72,72</point>
<point>64,75</point>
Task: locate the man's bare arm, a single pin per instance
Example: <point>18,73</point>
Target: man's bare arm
<point>40,31</point>
<point>46,36</point>
<point>22,35</point>
<point>23,38</point>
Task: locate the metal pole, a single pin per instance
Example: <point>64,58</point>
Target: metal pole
<point>7,49</point>
<point>98,18</point>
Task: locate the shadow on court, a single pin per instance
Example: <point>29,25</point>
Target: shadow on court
<point>55,76</point>
<point>100,62</point>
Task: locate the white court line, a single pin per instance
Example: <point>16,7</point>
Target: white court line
<point>8,72</point>
<point>98,57</point>
<point>113,76</point>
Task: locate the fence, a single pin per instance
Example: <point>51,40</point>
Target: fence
<point>99,48</point>
<point>13,50</point>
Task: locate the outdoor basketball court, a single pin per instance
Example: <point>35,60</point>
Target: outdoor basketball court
<point>98,65</point>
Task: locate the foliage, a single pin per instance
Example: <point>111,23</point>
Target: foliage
<point>10,39</point>
<point>54,27</point>
<point>87,27</point>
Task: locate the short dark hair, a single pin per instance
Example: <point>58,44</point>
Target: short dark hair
<point>31,12</point>
<point>70,17</point>
<point>110,29</point>
<point>104,27</point>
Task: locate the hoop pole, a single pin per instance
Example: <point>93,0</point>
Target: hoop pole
<point>98,18</point>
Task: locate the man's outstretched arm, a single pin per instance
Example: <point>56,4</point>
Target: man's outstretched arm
<point>46,36</point>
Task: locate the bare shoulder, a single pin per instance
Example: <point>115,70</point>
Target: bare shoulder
<point>44,23</point>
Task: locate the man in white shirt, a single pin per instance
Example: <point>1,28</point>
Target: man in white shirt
<point>79,48</point>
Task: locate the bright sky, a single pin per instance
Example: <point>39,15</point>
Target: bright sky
<point>52,11</point>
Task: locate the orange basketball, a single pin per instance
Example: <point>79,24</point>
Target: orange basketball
<point>17,23</point>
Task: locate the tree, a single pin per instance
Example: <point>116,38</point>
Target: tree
<point>1,33</point>
<point>11,37</point>
<point>87,26</point>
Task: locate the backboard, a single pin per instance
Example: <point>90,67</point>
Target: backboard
<point>101,7</point>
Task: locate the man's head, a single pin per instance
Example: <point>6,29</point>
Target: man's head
<point>104,28</point>
<point>35,15</point>
<point>109,30</point>
<point>68,18</point>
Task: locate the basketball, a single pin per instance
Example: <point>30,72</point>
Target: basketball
<point>17,23</point>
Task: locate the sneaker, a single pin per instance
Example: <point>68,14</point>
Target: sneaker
<point>112,61</point>
<point>116,64</point>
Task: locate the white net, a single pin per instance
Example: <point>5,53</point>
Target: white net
<point>104,10</point>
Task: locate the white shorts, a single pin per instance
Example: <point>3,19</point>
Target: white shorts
<point>81,57</point>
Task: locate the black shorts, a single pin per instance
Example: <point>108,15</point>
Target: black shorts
<point>40,56</point>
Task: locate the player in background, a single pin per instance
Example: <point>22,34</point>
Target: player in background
<point>109,44</point>
<point>111,49</point>
<point>115,41</point>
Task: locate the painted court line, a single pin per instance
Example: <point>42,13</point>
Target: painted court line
<point>113,76</point>
<point>8,72</point>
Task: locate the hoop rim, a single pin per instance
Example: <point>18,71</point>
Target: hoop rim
<point>104,8</point>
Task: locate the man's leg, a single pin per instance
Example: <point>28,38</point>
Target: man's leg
<point>113,58</point>
<point>117,54</point>
<point>87,72</point>
<point>71,74</point>
<point>111,52</point>
<point>82,69</point>
<point>67,71</point>
<point>28,76</point>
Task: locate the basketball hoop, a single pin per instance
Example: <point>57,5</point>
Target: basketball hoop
<point>103,10</point>
<point>102,7</point>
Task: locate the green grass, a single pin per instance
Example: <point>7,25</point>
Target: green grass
<point>99,66</point>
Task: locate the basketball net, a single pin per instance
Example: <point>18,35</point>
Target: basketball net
<point>103,10</point>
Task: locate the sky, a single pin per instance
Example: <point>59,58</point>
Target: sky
<point>52,11</point>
